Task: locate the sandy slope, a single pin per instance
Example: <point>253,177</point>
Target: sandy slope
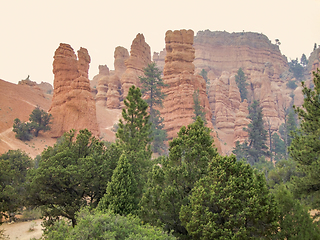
<point>20,230</point>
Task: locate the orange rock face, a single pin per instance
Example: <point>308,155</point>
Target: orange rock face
<point>109,85</point>
<point>73,106</point>
<point>140,57</point>
<point>181,83</point>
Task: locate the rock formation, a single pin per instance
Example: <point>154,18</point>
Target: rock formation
<point>181,83</point>
<point>140,57</point>
<point>109,85</point>
<point>73,106</point>
<point>241,122</point>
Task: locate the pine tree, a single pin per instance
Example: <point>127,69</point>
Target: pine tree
<point>151,87</point>
<point>198,109</point>
<point>305,145</point>
<point>170,182</point>
<point>257,134</point>
<point>120,196</point>
<point>133,135</point>
<point>134,130</point>
<point>242,84</point>
<point>231,202</point>
<point>295,220</point>
<point>278,147</point>
<point>40,121</point>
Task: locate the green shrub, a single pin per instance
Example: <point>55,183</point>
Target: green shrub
<point>291,84</point>
<point>105,226</point>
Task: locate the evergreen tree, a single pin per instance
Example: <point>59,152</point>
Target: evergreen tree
<point>40,121</point>
<point>13,172</point>
<point>204,74</point>
<point>120,196</point>
<point>134,130</point>
<point>22,130</point>
<point>242,84</point>
<point>304,60</point>
<point>198,109</point>
<point>295,220</point>
<point>133,135</point>
<point>72,174</point>
<point>241,151</point>
<point>305,145</point>
<point>257,134</point>
<point>151,87</point>
<point>296,68</point>
<point>278,147</point>
<point>231,202</point>
<point>170,182</point>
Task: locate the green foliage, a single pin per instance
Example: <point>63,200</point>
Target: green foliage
<point>278,147</point>
<point>257,134</point>
<point>295,221</point>
<point>254,150</point>
<point>296,68</point>
<point>305,145</point>
<point>288,128</point>
<point>151,87</point>
<point>304,60</point>
<point>22,130</point>
<point>204,74</point>
<point>120,196</point>
<point>282,173</point>
<point>231,202</point>
<point>40,121</point>
<point>72,174</point>
<point>170,182</point>
<point>242,84</point>
<point>291,84</point>
<point>106,225</point>
<point>134,135</point>
<point>134,129</point>
<point>198,110</point>
<point>13,171</point>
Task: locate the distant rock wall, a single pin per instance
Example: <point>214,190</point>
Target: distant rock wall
<point>73,106</point>
<point>109,89</point>
<point>181,83</point>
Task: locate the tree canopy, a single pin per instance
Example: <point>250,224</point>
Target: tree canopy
<point>151,88</point>
<point>198,110</point>
<point>305,145</point>
<point>72,174</point>
<point>13,172</point>
<point>231,202</point>
<point>171,181</point>
<point>242,84</point>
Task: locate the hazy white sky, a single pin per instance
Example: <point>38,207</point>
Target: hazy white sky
<point>31,30</point>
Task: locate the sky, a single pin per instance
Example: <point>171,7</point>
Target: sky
<point>31,30</point>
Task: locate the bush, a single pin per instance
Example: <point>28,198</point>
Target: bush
<point>291,85</point>
<point>105,226</point>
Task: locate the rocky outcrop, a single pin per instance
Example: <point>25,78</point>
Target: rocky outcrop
<point>109,85</point>
<point>181,83</point>
<point>73,106</point>
<point>158,58</point>
<point>140,57</point>
<point>241,122</point>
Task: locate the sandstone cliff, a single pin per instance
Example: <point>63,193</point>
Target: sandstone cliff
<point>140,57</point>
<point>221,54</point>
<point>181,83</point>
<point>73,106</point>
